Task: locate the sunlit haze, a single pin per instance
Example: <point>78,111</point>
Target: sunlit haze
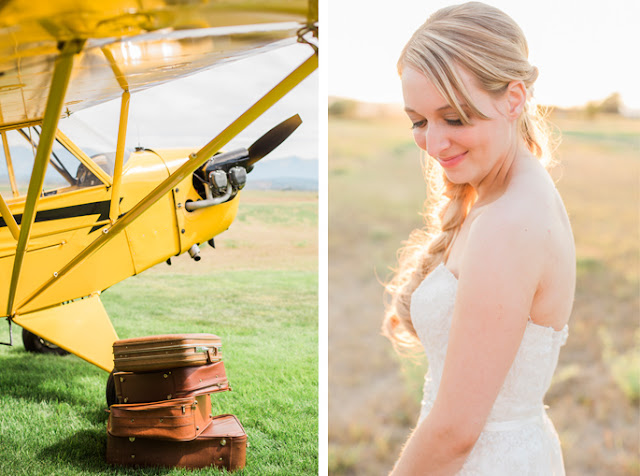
<point>585,50</point>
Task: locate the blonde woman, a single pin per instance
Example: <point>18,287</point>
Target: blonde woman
<point>487,287</point>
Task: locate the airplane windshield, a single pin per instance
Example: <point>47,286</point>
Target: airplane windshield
<point>17,154</point>
<point>100,145</point>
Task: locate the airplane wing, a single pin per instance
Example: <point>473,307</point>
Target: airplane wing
<point>128,45</point>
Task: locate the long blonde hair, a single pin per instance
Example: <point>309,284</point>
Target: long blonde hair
<point>491,46</point>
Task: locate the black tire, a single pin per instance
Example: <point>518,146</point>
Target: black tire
<point>111,390</point>
<point>37,344</point>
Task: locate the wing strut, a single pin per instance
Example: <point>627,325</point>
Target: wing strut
<point>8,218</point>
<point>195,160</point>
<point>59,83</point>
<point>7,156</point>
<point>114,210</point>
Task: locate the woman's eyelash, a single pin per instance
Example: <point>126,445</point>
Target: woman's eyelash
<point>423,122</point>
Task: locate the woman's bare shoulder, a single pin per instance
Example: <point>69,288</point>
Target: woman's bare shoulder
<point>515,227</point>
<point>530,202</point>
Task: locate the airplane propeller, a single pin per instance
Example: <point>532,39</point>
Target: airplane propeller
<point>272,139</point>
<point>259,149</point>
<point>225,173</point>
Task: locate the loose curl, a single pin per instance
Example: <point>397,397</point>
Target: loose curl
<point>491,46</point>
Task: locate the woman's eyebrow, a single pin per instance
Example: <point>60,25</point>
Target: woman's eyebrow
<point>463,106</point>
<point>442,108</point>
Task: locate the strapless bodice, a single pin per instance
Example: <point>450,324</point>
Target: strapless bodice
<point>520,400</point>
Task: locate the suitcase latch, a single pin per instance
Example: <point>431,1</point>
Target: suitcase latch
<point>211,354</point>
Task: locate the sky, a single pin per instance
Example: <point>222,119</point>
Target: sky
<point>585,49</point>
<point>190,111</point>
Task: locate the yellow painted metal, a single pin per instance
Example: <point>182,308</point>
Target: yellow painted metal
<point>117,72</point>
<point>37,246</point>
<point>185,171</point>
<point>84,158</point>
<point>48,232</point>
<point>312,12</point>
<point>150,240</point>
<point>60,81</point>
<point>114,209</point>
<point>7,156</point>
<point>68,229</point>
<point>81,327</point>
<point>8,218</point>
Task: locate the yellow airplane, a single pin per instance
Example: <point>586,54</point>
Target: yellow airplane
<point>119,213</point>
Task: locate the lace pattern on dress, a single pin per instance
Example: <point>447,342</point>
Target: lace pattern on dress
<point>518,438</point>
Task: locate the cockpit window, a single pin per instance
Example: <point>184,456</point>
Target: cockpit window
<point>99,144</point>
<point>17,155</point>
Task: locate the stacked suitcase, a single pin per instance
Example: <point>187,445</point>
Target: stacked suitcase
<point>163,416</point>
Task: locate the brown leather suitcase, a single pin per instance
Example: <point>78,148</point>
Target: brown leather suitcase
<point>223,443</point>
<point>147,354</point>
<point>181,419</point>
<point>135,387</point>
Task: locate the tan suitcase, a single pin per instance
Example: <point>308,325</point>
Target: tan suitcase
<point>223,444</point>
<point>181,419</point>
<point>147,354</point>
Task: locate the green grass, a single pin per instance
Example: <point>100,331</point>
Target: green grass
<point>52,409</point>
<point>285,213</point>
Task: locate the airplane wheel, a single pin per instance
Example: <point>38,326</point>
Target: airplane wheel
<point>111,390</point>
<point>34,343</point>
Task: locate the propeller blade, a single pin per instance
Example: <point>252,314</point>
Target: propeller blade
<point>272,139</point>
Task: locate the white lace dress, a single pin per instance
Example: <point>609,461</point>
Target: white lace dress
<point>518,438</point>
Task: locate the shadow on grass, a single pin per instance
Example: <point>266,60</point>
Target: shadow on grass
<point>54,379</point>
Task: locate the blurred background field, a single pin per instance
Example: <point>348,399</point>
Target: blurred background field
<point>375,194</point>
<point>257,290</point>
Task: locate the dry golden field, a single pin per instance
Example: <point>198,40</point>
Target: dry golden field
<point>375,194</point>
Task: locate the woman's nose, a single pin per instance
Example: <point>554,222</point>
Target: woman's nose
<point>436,141</point>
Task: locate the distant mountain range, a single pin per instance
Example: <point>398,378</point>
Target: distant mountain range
<point>291,173</point>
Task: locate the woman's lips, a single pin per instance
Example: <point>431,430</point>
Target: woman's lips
<point>452,161</point>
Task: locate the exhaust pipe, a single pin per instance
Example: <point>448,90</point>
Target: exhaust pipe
<point>194,252</point>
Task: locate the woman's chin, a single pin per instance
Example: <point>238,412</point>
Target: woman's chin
<point>455,176</point>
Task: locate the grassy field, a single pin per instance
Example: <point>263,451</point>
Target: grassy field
<point>257,290</point>
<point>375,396</point>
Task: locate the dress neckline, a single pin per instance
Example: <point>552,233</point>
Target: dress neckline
<point>552,329</point>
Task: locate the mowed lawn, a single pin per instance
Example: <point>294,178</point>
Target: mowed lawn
<point>262,304</point>
<point>374,167</point>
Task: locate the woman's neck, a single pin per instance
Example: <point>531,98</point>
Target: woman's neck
<point>494,184</point>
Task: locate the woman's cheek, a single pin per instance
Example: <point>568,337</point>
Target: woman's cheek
<point>420,139</point>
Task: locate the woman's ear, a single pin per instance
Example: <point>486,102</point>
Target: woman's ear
<point>516,98</point>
